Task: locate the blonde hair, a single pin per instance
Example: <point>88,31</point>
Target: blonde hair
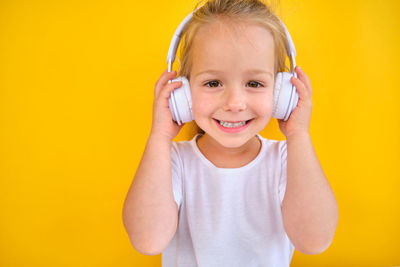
<point>251,11</point>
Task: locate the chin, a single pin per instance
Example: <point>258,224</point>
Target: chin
<point>232,142</point>
<point>239,142</point>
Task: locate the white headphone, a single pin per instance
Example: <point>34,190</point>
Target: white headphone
<point>180,100</point>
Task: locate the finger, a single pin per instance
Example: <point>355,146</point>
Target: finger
<point>160,77</point>
<point>168,88</point>
<point>166,76</point>
<point>303,77</point>
<point>300,87</point>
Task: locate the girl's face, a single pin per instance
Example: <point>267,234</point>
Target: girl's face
<point>232,79</point>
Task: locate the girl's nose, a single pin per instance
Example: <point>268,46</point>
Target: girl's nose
<point>235,100</point>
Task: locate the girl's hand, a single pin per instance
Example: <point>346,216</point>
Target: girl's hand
<point>162,124</point>
<point>299,120</point>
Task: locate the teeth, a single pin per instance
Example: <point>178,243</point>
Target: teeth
<point>232,125</point>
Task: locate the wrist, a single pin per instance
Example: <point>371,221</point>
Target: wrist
<point>298,135</point>
<point>160,136</point>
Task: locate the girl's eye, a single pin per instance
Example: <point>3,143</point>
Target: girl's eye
<point>252,84</point>
<point>255,84</point>
<point>212,84</point>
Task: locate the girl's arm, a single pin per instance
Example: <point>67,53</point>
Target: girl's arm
<point>150,213</point>
<point>309,208</point>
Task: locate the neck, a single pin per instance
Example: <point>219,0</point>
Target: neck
<point>225,157</point>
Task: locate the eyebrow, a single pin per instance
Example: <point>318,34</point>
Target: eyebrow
<point>251,71</point>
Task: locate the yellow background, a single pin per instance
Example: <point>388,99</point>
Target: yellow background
<point>76,94</point>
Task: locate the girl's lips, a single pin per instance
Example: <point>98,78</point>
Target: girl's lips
<point>235,129</point>
<point>232,121</point>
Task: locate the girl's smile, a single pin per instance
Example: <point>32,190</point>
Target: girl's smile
<point>233,127</point>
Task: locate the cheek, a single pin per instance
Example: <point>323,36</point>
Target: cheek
<point>264,104</point>
<point>202,103</point>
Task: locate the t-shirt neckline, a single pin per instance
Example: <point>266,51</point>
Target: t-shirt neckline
<point>211,165</point>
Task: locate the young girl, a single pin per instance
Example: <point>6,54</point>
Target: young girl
<point>230,197</point>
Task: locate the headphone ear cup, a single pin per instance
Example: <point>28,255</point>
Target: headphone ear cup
<point>277,89</point>
<point>180,102</point>
<point>285,96</point>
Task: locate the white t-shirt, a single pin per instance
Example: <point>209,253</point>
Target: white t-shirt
<point>229,216</point>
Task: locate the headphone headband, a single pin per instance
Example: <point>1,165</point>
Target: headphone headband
<point>177,37</point>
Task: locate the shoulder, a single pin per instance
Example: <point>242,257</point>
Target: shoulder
<point>181,146</point>
<point>273,146</point>
<point>183,149</point>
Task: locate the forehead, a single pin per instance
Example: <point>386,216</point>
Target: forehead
<point>235,44</point>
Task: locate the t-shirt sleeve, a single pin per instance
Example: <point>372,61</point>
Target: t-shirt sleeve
<point>283,177</point>
<point>176,174</point>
